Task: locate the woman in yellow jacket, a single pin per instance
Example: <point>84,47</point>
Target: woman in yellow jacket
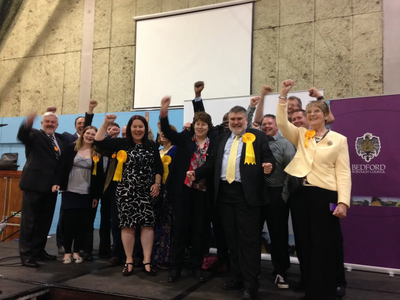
<point>322,165</point>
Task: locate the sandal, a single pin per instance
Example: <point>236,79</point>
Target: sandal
<point>152,271</point>
<point>125,271</point>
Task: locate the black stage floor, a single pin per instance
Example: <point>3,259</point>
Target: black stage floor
<point>95,279</point>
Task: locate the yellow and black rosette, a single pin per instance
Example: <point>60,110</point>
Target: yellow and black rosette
<point>95,160</point>
<point>309,135</point>
<point>166,160</point>
<point>250,158</point>
<point>121,157</point>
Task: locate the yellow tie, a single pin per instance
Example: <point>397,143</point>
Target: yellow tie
<point>231,168</point>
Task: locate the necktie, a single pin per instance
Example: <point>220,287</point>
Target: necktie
<point>53,143</point>
<point>231,168</point>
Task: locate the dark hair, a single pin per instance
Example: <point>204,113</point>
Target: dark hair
<point>145,139</point>
<point>113,124</point>
<point>238,109</point>
<point>300,109</point>
<point>203,117</point>
<point>159,135</point>
<point>78,118</point>
<point>299,104</point>
<point>269,116</point>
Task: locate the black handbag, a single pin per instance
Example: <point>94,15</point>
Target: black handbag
<point>295,184</point>
<point>8,161</point>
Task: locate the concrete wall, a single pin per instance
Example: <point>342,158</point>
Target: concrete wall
<point>335,45</point>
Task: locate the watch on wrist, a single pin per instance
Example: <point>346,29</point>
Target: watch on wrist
<point>321,98</point>
<point>284,98</point>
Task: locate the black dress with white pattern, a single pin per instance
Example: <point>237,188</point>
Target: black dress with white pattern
<point>133,192</point>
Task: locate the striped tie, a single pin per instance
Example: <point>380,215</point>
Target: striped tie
<point>53,143</point>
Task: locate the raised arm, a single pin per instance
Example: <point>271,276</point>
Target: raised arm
<point>198,101</point>
<point>89,114</point>
<point>265,90</point>
<point>254,101</point>
<point>288,130</point>
<point>170,134</point>
<point>313,92</point>
<point>25,129</point>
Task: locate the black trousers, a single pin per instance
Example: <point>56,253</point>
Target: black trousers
<point>277,215</point>
<point>59,232</point>
<point>219,235</point>
<point>321,243</point>
<point>118,248</point>
<point>77,229</point>
<point>36,216</point>
<point>191,224</point>
<point>105,222</point>
<point>242,230</point>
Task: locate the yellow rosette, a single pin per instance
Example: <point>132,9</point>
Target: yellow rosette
<point>95,160</point>
<point>166,160</point>
<point>248,139</point>
<point>121,157</point>
<point>309,135</point>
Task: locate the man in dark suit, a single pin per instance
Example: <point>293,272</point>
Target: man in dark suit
<point>240,161</point>
<point>42,148</point>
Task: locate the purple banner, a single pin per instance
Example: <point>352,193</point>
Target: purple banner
<point>372,127</point>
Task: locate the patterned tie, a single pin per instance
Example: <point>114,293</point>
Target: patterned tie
<point>53,143</point>
<point>231,168</point>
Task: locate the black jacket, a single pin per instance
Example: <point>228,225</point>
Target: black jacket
<point>41,161</point>
<point>64,168</point>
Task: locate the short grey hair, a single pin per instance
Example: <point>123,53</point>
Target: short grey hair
<point>49,113</point>
<point>238,109</point>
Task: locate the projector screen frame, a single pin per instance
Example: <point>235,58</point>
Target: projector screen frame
<point>188,11</point>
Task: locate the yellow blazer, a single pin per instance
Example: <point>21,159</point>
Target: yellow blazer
<point>326,164</point>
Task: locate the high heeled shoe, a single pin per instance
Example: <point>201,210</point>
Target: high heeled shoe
<point>125,271</point>
<point>152,271</point>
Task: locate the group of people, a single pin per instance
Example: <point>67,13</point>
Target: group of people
<point>160,203</point>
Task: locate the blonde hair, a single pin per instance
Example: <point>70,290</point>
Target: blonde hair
<point>322,105</point>
<point>80,142</point>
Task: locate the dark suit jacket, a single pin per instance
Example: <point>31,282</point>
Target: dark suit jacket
<point>64,168</point>
<point>69,138</point>
<point>252,176</point>
<point>41,161</point>
<point>184,152</point>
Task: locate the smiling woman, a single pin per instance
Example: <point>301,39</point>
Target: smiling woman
<point>140,171</point>
<point>78,175</point>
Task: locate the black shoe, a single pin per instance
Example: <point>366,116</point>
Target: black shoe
<point>125,271</point>
<point>45,256</point>
<point>198,275</point>
<point>61,250</point>
<point>88,257</point>
<point>152,271</point>
<point>30,263</point>
<point>232,285</point>
<point>174,274</point>
<point>249,295</point>
<point>113,262</point>
<point>340,291</point>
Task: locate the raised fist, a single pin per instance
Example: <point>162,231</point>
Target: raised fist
<point>286,86</point>
<point>198,86</point>
<point>31,118</point>
<point>51,109</point>
<point>92,104</point>
<point>313,92</point>
<point>266,89</point>
<point>165,102</point>
<point>109,119</point>
<point>254,101</point>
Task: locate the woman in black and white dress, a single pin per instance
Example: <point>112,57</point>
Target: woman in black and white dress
<point>140,180</point>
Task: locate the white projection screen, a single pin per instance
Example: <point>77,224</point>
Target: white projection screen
<point>173,52</point>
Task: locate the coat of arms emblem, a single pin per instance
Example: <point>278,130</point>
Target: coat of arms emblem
<point>368,146</point>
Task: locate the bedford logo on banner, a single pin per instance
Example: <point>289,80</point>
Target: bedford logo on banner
<point>368,147</point>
